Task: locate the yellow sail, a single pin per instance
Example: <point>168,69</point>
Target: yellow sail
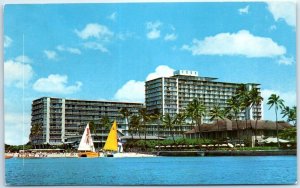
<point>111,143</point>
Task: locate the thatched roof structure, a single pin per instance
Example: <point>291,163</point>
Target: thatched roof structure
<point>229,125</point>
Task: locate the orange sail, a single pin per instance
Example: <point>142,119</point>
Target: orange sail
<point>111,143</point>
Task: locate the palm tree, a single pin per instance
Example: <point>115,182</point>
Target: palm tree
<point>216,113</point>
<point>105,123</point>
<point>145,117</point>
<point>255,100</point>
<point>155,117</point>
<point>135,122</point>
<point>35,132</point>
<point>243,97</point>
<point>289,133</point>
<point>293,115</point>
<point>131,127</point>
<point>92,126</point>
<point>168,123</point>
<point>290,113</point>
<point>285,111</point>
<point>196,111</point>
<point>188,114</point>
<point>277,102</point>
<point>179,120</point>
<point>125,113</point>
<point>233,110</point>
<point>32,132</point>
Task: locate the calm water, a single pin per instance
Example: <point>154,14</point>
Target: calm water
<point>152,171</point>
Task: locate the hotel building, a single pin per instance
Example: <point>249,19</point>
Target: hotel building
<point>62,120</point>
<point>172,94</point>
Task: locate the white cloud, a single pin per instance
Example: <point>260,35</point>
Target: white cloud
<point>131,91</point>
<point>16,73</point>
<point>15,103</point>
<point>289,98</point>
<point>286,60</point>
<point>95,30</point>
<point>240,43</point>
<point>50,54</point>
<point>160,71</point>
<point>60,48</point>
<point>7,41</point>
<point>113,16</point>
<point>153,29</point>
<point>153,34</point>
<point>134,91</point>
<point>16,125</point>
<point>74,51</point>
<point>125,35</point>
<point>95,46</point>
<point>24,59</point>
<point>57,84</point>
<point>283,10</point>
<point>170,37</point>
<point>68,49</point>
<point>273,27</point>
<point>244,10</point>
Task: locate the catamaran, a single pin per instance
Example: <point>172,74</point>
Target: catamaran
<point>86,147</point>
<point>113,148</point>
<point>111,144</point>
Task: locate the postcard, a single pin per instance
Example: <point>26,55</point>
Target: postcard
<point>160,93</point>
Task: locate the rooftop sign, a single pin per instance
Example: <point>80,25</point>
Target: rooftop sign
<point>186,73</point>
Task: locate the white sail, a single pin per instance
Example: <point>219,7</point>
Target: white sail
<point>86,143</point>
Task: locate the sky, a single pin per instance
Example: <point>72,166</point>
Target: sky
<point>107,51</point>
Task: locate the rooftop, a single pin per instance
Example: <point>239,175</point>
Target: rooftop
<point>185,72</point>
<point>194,76</point>
<point>223,125</point>
<point>85,100</point>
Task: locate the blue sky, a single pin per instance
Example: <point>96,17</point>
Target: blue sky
<point>107,51</point>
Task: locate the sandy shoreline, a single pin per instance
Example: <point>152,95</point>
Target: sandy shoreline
<point>72,155</point>
<point>162,153</point>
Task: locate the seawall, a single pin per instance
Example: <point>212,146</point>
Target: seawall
<point>226,153</point>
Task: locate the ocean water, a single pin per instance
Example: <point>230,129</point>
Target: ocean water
<point>152,171</point>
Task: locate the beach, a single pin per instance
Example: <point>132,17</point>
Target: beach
<point>72,155</point>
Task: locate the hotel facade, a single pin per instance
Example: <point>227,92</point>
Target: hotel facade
<point>173,94</point>
<point>62,120</point>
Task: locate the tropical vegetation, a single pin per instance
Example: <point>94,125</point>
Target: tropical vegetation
<point>35,133</point>
<point>138,123</point>
<point>196,110</point>
<point>276,102</point>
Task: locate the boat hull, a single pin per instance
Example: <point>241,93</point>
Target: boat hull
<point>125,154</point>
<point>8,156</point>
<point>109,154</point>
<point>88,154</point>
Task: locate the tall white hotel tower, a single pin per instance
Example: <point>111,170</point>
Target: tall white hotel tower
<point>172,94</point>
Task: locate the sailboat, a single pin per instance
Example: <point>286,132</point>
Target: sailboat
<point>111,144</point>
<point>113,148</point>
<point>86,147</point>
